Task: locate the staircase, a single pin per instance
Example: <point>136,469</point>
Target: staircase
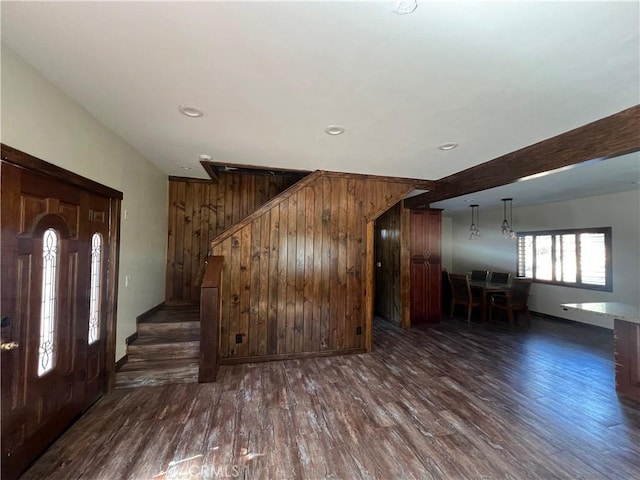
<point>166,350</point>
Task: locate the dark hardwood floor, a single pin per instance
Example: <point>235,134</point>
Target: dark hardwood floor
<point>452,401</point>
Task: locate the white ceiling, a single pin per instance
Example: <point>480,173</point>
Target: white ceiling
<point>270,76</point>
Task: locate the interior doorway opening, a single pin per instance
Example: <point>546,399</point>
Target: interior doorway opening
<point>406,266</point>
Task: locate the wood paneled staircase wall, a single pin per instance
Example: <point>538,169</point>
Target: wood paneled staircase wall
<point>293,281</point>
<point>201,209</point>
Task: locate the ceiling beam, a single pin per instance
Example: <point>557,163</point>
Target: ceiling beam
<point>609,137</point>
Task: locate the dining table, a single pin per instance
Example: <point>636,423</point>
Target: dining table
<point>487,288</point>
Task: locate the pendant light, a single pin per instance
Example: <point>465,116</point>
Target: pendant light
<point>507,225</point>
<point>474,230</point>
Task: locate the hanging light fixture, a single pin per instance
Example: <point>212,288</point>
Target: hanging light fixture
<point>507,225</point>
<point>474,230</point>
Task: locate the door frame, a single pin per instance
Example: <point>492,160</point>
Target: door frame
<point>369,274</point>
<point>29,162</point>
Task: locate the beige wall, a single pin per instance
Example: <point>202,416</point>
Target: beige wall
<point>41,120</point>
<point>621,211</point>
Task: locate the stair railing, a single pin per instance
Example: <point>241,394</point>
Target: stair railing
<point>210,308</point>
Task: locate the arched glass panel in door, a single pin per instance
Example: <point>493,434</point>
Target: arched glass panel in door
<point>46,351</point>
<point>96,274</point>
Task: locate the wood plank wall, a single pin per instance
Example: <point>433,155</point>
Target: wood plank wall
<point>293,277</point>
<point>387,269</point>
<point>201,209</point>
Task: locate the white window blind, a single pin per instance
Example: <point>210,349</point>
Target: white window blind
<point>579,258</point>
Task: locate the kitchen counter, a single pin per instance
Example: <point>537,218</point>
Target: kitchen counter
<point>616,310</point>
<point>627,342</point>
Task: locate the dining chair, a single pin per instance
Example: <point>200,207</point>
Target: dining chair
<point>461,294</point>
<point>515,300</point>
<point>499,277</point>
<point>479,275</point>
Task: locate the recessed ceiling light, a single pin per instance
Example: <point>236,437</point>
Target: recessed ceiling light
<point>448,146</point>
<point>185,167</point>
<point>204,157</point>
<point>334,130</point>
<point>190,111</point>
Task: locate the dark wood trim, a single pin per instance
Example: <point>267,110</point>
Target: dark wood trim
<point>405,267</point>
<point>131,338</point>
<point>216,168</point>
<point>369,285</point>
<point>606,138</point>
<point>420,184</point>
<point>112,291</point>
<point>210,169</point>
<point>122,362</point>
<point>174,178</point>
<point>290,356</point>
<point>144,315</point>
<point>29,162</point>
<point>210,306</point>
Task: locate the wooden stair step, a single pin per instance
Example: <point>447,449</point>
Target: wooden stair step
<point>153,373</point>
<point>168,328</point>
<point>174,314</point>
<point>163,336</point>
<point>166,350</point>
<point>163,350</point>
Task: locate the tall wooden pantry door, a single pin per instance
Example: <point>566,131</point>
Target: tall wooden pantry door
<point>425,266</point>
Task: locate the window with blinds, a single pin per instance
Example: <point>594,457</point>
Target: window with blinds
<point>575,258</point>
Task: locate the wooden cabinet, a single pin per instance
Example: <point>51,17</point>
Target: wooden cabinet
<point>425,266</point>
<point>627,356</point>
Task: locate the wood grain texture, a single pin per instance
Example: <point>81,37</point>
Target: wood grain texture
<point>408,283</point>
<point>201,209</point>
<point>425,266</point>
<point>369,286</point>
<point>210,308</point>
<point>29,162</point>
<point>315,297</point>
<point>451,401</point>
<point>166,350</point>
<point>388,242</point>
<point>36,408</point>
<point>405,267</point>
<point>627,355</point>
<point>214,169</point>
<point>606,138</point>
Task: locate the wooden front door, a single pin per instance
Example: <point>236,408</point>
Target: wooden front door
<point>55,247</point>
